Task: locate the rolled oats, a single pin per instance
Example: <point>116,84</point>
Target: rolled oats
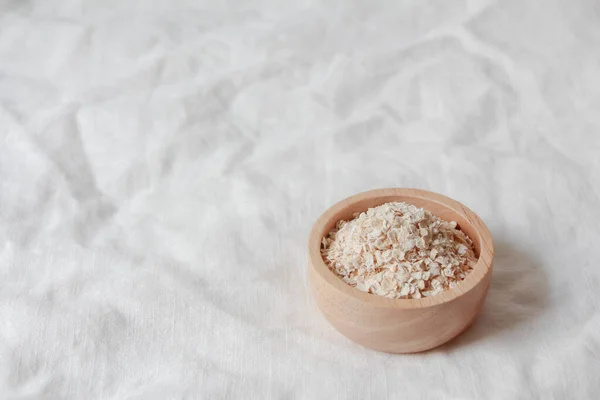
<point>398,250</point>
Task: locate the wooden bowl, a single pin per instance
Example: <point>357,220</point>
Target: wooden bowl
<point>400,325</point>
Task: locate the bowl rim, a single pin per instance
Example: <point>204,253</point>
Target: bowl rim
<point>481,269</point>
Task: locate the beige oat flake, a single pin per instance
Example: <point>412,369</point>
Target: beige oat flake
<point>398,250</point>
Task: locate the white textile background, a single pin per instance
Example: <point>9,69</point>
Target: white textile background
<point>162,162</point>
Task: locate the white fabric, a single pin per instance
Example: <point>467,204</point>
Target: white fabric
<point>162,162</point>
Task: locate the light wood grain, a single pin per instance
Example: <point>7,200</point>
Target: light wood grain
<point>400,325</point>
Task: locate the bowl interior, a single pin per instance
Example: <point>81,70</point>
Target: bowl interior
<point>441,206</point>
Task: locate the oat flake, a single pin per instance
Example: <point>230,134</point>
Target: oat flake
<point>399,251</point>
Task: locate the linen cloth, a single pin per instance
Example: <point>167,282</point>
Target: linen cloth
<point>162,162</point>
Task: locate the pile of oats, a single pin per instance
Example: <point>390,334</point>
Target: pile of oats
<point>399,251</point>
